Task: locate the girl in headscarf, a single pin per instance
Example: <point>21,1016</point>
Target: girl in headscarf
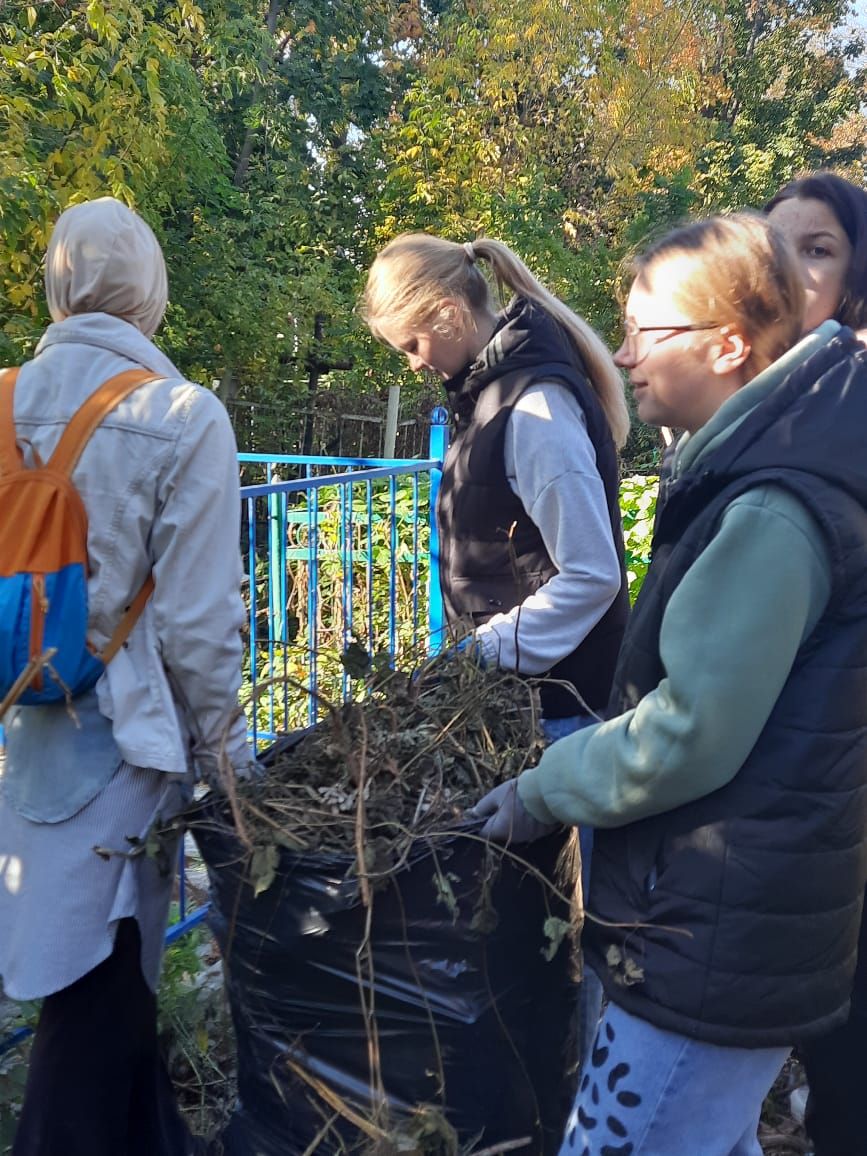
<point>82,913</point>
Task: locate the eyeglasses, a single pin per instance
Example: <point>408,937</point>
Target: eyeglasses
<point>631,332</point>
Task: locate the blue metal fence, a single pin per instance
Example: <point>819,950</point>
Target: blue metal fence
<point>345,551</point>
<point>338,550</point>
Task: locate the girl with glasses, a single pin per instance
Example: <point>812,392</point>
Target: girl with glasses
<point>728,787</point>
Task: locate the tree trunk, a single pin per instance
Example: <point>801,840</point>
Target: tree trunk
<point>315,372</point>
<point>275,7</point>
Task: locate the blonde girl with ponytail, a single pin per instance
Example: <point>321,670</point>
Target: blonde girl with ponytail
<point>532,556</point>
<point>412,275</point>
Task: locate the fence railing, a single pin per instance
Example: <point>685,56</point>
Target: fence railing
<point>324,430</point>
<point>341,559</point>
<point>338,550</point>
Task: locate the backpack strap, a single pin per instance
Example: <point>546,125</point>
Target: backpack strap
<point>10,455</point>
<point>130,617</point>
<point>65,458</point>
<point>85,420</point>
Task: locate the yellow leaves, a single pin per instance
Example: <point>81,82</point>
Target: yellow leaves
<point>79,73</point>
<point>850,135</point>
<point>123,21</point>
<point>95,137</point>
<point>511,42</point>
<point>31,16</point>
<point>487,151</point>
<point>152,85</point>
<point>95,16</point>
<point>186,21</point>
<point>82,101</point>
<point>646,95</point>
<point>20,278</point>
<point>21,294</point>
<point>70,96</point>
<point>192,16</point>
<point>423,193</point>
<point>19,263</point>
<point>55,160</point>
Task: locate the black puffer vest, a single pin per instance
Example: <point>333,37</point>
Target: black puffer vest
<point>742,909</point>
<point>492,555</point>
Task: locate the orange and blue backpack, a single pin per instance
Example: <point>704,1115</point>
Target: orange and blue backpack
<point>44,652</point>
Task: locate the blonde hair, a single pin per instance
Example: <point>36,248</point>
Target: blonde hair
<point>740,271</point>
<point>415,271</point>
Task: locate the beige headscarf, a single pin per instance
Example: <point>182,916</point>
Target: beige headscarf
<point>103,258</point>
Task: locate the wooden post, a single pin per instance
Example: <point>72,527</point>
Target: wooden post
<point>391,417</point>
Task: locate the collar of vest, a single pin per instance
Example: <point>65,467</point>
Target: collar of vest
<point>525,338</point>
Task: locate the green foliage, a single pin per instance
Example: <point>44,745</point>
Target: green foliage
<point>13,1063</point>
<point>181,962</point>
<point>195,1028</point>
<point>92,100</point>
<point>789,74</point>
<point>13,1078</point>
<point>238,140</point>
<point>13,1067</point>
<point>275,147</point>
<point>637,507</point>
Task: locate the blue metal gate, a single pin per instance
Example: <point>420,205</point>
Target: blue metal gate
<point>338,551</point>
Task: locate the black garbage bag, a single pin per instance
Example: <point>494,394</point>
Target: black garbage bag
<point>471,1017</point>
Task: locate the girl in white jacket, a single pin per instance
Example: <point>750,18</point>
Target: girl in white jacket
<point>159,481</point>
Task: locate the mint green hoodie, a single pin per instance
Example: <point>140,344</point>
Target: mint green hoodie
<point>728,640</point>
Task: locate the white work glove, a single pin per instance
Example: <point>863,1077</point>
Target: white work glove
<point>509,821</point>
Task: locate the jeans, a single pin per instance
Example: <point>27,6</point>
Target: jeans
<point>650,1092</point>
<point>558,728</point>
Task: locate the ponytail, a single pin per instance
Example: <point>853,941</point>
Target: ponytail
<point>603,374</point>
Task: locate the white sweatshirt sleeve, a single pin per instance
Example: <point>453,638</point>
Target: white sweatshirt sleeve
<point>550,463</point>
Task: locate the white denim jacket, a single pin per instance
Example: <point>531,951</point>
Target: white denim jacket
<point>159,480</point>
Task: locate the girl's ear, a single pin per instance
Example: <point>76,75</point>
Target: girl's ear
<point>448,318</point>
<point>731,351</point>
